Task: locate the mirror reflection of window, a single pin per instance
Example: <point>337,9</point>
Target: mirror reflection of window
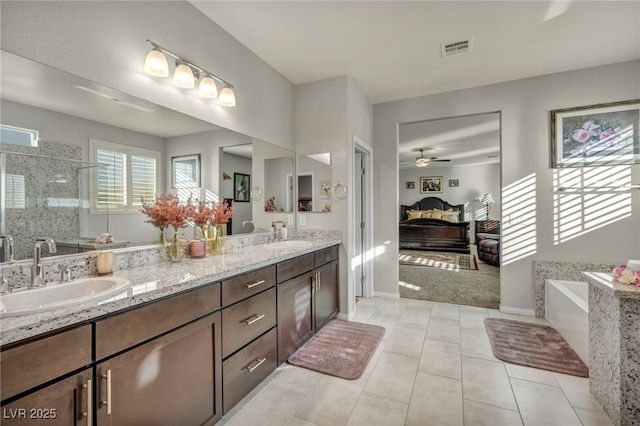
<point>186,171</point>
<point>14,192</point>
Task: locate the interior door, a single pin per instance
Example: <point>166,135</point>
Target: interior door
<point>360,223</point>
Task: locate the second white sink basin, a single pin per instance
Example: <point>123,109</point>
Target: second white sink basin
<point>290,244</point>
<point>61,295</point>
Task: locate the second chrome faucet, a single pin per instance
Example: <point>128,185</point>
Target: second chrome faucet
<point>37,270</point>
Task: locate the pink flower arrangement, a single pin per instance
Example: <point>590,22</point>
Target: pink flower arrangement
<point>166,211</point>
<point>201,213</point>
<point>624,275</point>
<point>221,213</point>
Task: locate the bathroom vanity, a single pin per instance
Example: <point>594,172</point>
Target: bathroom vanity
<point>183,346</point>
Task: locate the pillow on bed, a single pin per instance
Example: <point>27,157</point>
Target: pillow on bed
<point>414,214</point>
<point>448,215</point>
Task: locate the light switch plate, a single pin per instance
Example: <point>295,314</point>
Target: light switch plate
<point>302,221</point>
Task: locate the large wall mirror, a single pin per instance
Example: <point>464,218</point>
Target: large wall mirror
<point>51,186</point>
<point>314,183</point>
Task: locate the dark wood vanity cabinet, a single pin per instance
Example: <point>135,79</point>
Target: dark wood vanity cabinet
<point>66,402</point>
<point>62,396</point>
<point>173,379</point>
<point>307,302</point>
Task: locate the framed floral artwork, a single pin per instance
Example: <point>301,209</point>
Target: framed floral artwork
<point>603,134</point>
<point>431,184</point>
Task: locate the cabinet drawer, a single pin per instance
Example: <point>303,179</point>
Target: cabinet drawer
<point>24,367</point>
<point>248,367</point>
<point>122,331</point>
<point>246,285</point>
<point>324,256</point>
<point>294,267</point>
<point>244,321</point>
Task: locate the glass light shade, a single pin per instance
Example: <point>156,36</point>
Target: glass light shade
<point>183,77</point>
<point>156,64</point>
<point>422,162</point>
<point>207,88</point>
<point>227,97</point>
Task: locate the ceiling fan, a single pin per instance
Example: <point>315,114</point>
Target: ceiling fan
<point>423,161</point>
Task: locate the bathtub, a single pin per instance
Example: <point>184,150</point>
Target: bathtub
<point>567,307</point>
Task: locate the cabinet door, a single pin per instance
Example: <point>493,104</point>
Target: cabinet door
<point>295,324</point>
<point>65,402</point>
<point>175,379</point>
<point>326,294</point>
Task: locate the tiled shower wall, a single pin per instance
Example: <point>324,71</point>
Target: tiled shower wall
<point>51,195</point>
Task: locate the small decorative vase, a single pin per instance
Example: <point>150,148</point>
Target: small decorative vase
<point>217,239</point>
<point>175,250</point>
<point>162,240</point>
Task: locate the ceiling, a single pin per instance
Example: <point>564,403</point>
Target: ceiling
<point>393,50</point>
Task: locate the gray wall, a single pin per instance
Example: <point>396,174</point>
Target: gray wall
<point>525,106</point>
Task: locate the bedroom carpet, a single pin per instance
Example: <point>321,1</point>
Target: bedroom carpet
<point>463,287</point>
<point>341,348</point>
<point>533,345</point>
<point>451,261</point>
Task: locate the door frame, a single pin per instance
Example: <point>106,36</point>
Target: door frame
<point>358,145</point>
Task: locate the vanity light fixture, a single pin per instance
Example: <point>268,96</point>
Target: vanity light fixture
<point>156,64</point>
<point>187,73</point>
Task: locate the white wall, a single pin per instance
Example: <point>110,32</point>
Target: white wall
<point>328,114</point>
<point>104,41</point>
<point>474,180</point>
<point>525,106</point>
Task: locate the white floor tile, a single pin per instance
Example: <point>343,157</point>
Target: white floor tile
<point>593,418</point>
<point>441,358</point>
<point>476,344</point>
<point>406,341</point>
<point>477,414</point>
<point>393,377</point>
<point>435,401</point>
<point>446,330</point>
<point>445,310</point>
<point>487,382</point>
<point>415,318</point>
<point>543,405</point>
<point>375,410</point>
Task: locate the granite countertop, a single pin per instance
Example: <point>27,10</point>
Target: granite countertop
<point>153,282</point>
<point>604,280</point>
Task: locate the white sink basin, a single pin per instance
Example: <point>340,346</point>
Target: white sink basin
<point>290,244</point>
<point>61,295</point>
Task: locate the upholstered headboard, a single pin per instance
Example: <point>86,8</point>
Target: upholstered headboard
<point>431,203</point>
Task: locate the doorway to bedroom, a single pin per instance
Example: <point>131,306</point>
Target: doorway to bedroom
<point>450,205</point>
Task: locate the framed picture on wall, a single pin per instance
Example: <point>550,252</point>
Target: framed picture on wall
<point>431,184</point>
<point>454,183</point>
<point>603,134</point>
<point>241,188</point>
<point>410,185</point>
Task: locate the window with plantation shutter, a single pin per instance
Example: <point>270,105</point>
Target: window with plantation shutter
<point>14,192</point>
<point>125,176</point>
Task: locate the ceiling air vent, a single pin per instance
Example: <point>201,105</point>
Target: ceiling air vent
<point>458,46</point>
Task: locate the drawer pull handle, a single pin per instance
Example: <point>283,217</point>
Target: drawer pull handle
<point>251,285</point>
<point>107,402</point>
<point>88,414</point>
<point>253,319</point>
<point>259,363</point>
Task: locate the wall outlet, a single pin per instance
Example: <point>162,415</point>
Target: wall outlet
<point>290,219</point>
<point>302,220</point>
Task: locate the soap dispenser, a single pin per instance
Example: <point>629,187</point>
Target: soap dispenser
<point>284,231</point>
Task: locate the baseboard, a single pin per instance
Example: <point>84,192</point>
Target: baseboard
<point>347,317</point>
<point>517,311</point>
<point>386,295</point>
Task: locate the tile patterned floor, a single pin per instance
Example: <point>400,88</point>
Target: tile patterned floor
<point>434,367</point>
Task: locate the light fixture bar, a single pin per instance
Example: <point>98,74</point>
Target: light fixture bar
<point>189,63</point>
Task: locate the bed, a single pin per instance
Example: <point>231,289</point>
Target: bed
<point>434,224</point>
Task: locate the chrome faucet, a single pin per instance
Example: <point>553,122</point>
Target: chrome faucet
<point>37,270</point>
<point>6,245</point>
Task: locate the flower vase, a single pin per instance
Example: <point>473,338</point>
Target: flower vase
<point>204,231</point>
<point>217,241</point>
<point>175,250</point>
<point>162,240</point>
